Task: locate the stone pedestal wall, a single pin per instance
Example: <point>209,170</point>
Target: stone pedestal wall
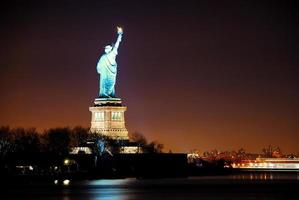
<point>108,118</point>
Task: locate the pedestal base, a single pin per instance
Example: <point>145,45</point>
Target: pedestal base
<point>108,118</point>
<point>107,101</point>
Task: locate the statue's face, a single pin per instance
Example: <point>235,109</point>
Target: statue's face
<point>108,48</point>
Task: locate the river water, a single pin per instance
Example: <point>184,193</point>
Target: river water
<point>239,186</point>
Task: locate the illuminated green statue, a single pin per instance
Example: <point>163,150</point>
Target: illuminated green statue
<point>107,68</point>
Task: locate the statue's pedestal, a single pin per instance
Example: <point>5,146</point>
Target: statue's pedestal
<point>108,118</point>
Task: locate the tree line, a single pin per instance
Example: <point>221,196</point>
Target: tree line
<point>54,140</point>
<point>61,140</point>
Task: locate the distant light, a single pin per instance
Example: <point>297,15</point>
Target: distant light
<point>55,167</point>
<point>66,182</point>
<point>30,168</point>
<point>66,161</point>
<point>265,164</point>
<point>56,182</point>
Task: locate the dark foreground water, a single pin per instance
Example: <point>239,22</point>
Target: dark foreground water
<point>241,186</point>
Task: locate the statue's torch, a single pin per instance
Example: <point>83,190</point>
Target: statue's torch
<point>119,30</point>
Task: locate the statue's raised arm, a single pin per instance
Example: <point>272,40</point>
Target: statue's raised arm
<point>118,40</point>
<point>107,68</point>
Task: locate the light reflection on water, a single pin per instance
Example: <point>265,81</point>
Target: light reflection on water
<point>108,189</point>
<point>111,182</point>
<point>238,186</point>
<point>204,187</point>
<point>110,194</point>
<point>254,176</point>
<point>266,176</point>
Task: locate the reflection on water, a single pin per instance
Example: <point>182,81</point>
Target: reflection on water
<point>254,176</point>
<point>238,186</point>
<point>110,182</point>
<point>266,176</point>
<point>109,189</point>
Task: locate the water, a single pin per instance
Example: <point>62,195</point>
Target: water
<point>239,186</point>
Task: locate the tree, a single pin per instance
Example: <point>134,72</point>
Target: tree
<point>57,140</point>
<point>19,140</point>
<point>155,147</point>
<point>241,154</point>
<point>277,153</point>
<point>26,140</point>
<point>138,138</point>
<point>272,152</point>
<point>152,147</point>
<point>6,143</point>
<point>78,136</point>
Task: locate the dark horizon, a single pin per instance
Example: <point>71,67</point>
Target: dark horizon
<point>194,75</point>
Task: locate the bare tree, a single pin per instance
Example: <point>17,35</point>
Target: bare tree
<point>138,138</point>
<point>57,140</point>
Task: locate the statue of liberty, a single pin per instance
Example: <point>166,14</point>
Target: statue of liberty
<point>107,68</point>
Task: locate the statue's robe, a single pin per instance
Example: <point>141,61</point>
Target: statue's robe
<point>107,68</point>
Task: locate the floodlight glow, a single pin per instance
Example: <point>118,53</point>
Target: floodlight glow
<point>66,161</point>
<point>66,182</point>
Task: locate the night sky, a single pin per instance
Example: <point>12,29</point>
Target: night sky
<point>194,74</point>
